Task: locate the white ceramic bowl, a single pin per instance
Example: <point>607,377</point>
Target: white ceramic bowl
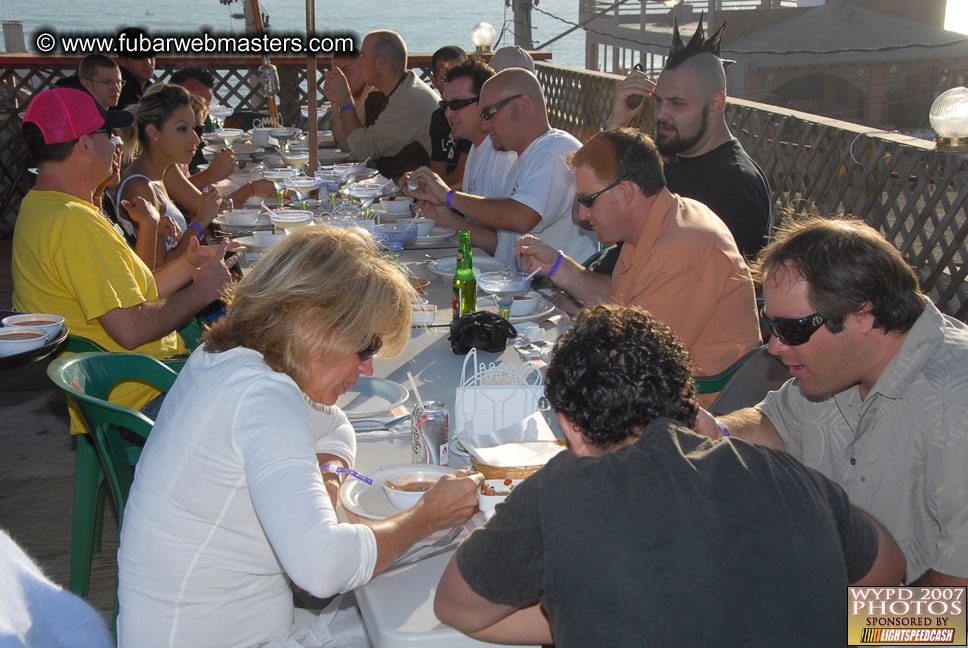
<point>242,217</point>
<point>500,488</point>
<point>267,239</point>
<point>396,205</point>
<point>403,499</point>
<point>424,226</point>
<point>17,339</point>
<point>50,324</point>
<point>525,304</point>
<point>424,314</point>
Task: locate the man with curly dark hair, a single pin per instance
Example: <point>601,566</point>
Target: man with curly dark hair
<point>646,524</point>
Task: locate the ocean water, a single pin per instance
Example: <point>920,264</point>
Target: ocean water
<point>424,24</point>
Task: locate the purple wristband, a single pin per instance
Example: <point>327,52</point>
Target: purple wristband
<point>722,427</point>
<point>557,264</point>
<point>198,228</point>
<point>450,198</point>
<point>346,107</point>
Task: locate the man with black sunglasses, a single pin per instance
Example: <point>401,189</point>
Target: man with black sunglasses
<point>879,396</point>
<point>448,152</point>
<point>679,260</point>
<point>539,189</point>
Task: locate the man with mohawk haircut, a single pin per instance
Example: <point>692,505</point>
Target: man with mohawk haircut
<point>703,159</point>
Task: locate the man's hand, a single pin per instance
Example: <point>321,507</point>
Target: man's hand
<point>337,89</point>
<point>222,165</point>
<point>535,254</point>
<point>432,189</point>
<point>636,84</point>
<point>213,276</point>
<point>706,425</point>
<point>453,498</point>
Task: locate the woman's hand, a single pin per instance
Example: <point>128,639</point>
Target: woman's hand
<point>169,229</point>
<point>453,498</point>
<point>208,204</point>
<point>142,212</point>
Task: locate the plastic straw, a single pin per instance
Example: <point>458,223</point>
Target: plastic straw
<point>413,385</point>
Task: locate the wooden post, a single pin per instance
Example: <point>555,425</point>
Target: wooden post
<point>522,24</point>
<point>311,90</point>
<point>259,30</point>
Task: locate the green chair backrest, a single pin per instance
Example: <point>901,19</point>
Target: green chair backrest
<point>78,344</point>
<point>191,334</point>
<point>713,384</point>
<point>88,378</point>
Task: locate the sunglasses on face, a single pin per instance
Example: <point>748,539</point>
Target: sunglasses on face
<point>369,351</point>
<point>590,199</point>
<point>793,331</point>
<point>457,104</point>
<point>489,111</point>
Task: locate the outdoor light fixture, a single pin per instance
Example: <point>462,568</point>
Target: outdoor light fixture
<point>270,77</point>
<point>483,36</point>
<point>949,119</point>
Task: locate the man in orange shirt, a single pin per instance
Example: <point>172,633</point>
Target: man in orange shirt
<point>679,260</point>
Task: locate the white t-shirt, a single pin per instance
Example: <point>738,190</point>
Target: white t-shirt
<point>486,170</point>
<point>228,504</point>
<point>36,612</point>
<point>541,180</point>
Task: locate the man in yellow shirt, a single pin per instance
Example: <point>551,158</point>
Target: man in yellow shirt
<point>69,260</point>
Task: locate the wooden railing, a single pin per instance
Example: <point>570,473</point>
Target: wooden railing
<point>902,186</point>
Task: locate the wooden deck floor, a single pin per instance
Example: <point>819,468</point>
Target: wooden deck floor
<point>37,471</point>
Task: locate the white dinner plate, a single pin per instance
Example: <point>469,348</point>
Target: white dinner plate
<point>370,501</point>
<point>436,235</point>
<point>542,309</point>
<point>224,224</point>
<point>331,156</point>
<point>371,397</point>
<point>446,266</point>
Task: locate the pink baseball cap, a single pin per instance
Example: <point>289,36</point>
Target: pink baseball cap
<point>61,115</point>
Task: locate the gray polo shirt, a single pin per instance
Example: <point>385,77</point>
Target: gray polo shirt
<point>902,453</point>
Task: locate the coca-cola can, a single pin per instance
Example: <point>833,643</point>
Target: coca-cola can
<point>430,434</point>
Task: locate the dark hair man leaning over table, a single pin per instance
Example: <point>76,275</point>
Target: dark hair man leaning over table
<point>648,534</point>
<point>879,392</point>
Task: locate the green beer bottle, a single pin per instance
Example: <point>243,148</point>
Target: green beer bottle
<point>465,282</point>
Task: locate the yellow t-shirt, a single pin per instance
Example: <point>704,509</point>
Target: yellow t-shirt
<point>68,260</point>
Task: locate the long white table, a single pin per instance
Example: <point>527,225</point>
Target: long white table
<point>397,607</point>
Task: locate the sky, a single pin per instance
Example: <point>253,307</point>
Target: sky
<point>956,17</point>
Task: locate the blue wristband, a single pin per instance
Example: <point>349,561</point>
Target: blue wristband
<point>557,264</point>
<point>345,107</point>
<point>198,228</point>
<point>450,198</point>
<point>722,427</point>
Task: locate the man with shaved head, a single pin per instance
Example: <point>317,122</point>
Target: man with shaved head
<point>539,188</point>
<point>399,139</point>
<point>703,159</point>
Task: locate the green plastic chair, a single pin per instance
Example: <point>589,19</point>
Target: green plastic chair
<point>716,383</point>
<point>90,488</point>
<point>87,379</point>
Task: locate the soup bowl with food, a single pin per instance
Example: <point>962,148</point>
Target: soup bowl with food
<point>405,489</point>
<point>18,339</point>
<point>494,491</point>
<point>50,324</point>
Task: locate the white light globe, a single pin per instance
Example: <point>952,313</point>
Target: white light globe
<point>949,117</point>
<point>483,36</point>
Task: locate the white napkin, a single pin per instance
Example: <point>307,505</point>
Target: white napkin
<point>509,455</point>
<point>530,428</point>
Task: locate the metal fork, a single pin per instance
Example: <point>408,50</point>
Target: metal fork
<point>442,542</point>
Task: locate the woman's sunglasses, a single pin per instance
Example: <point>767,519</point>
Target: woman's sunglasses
<point>793,331</point>
<point>369,351</point>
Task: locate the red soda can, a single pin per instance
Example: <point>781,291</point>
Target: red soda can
<point>430,434</point>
